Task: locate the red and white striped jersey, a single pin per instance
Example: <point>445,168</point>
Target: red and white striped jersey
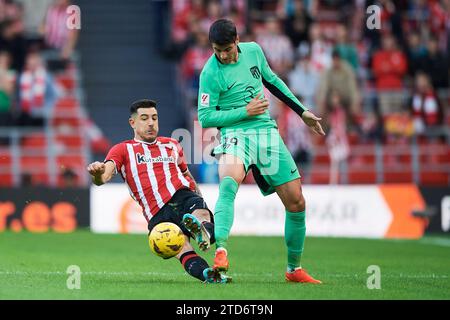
<point>152,171</point>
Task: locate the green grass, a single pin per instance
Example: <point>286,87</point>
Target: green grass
<point>33,266</point>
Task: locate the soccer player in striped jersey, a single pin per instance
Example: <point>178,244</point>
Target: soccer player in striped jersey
<point>231,97</point>
<point>156,173</point>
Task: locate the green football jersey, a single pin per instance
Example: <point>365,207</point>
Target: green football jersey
<point>226,89</point>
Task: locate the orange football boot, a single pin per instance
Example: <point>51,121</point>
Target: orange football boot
<point>300,275</point>
<point>220,260</point>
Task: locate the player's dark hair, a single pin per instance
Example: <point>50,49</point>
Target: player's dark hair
<point>143,103</point>
<point>222,32</point>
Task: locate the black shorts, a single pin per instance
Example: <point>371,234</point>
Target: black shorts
<point>183,201</point>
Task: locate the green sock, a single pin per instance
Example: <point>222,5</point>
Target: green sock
<point>224,211</point>
<point>294,236</point>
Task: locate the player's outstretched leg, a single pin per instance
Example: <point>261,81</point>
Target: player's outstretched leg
<point>202,232</point>
<point>214,276</point>
<point>295,230</point>
<point>197,267</point>
<point>224,216</point>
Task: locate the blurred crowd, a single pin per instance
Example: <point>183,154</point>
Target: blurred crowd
<point>383,85</point>
<point>35,44</point>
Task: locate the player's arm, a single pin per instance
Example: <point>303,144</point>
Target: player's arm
<point>280,90</point>
<point>208,99</point>
<point>187,173</point>
<point>277,86</point>
<point>101,172</point>
<point>182,164</point>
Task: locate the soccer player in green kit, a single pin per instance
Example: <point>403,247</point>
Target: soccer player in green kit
<point>231,98</point>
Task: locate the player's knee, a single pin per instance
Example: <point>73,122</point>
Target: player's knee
<point>202,215</point>
<point>298,205</point>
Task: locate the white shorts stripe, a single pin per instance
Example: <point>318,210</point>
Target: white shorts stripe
<point>151,176</point>
<point>134,171</point>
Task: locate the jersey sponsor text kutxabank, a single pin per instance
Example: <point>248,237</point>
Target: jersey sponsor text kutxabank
<point>152,171</point>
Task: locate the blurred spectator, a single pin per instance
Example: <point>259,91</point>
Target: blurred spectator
<point>69,178</point>
<point>297,23</point>
<point>13,41</point>
<point>424,105</point>
<point>184,13</point>
<point>236,10</point>
<point>7,89</point>
<point>33,15</point>
<point>214,11</point>
<point>346,50</point>
<point>391,22</point>
<point>54,29</point>
<point>399,127</point>
<point>26,180</point>
<point>339,78</point>
<point>389,67</point>
<point>319,49</point>
<point>435,64</point>
<point>415,51</point>
<point>298,140</point>
<point>286,8</point>
<point>37,91</point>
<point>277,47</point>
<point>304,81</point>
<point>372,127</point>
<point>337,139</point>
<point>194,60</point>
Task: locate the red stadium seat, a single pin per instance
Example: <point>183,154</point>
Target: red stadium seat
<point>362,177</point>
<point>71,141</point>
<point>398,176</point>
<point>434,178</point>
<point>6,180</point>
<point>64,161</point>
<point>37,140</point>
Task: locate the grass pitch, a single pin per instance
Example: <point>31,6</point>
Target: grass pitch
<point>34,266</point>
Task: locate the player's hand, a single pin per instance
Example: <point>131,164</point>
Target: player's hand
<point>96,168</point>
<point>257,106</point>
<point>313,122</point>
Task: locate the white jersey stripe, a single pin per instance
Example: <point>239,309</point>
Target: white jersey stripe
<point>166,169</point>
<point>180,175</point>
<point>152,178</point>
<point>133,166</point>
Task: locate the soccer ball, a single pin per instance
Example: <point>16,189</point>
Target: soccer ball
<point>166,240</point>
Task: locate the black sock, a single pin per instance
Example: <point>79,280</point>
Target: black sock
<point>210,228</point>
<point>194,264</point>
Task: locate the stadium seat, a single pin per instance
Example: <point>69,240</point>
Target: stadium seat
<point>68,160</point>
<point>36,140</point>
<point>362,177</point>
<point>6,180</point>
<point>37,167</point>
<point>405,176</point>
<point>433,178</point>
<point>70,141</point>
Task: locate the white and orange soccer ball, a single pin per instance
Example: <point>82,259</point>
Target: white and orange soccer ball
<point>166,240</point>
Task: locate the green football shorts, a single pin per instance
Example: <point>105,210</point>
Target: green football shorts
<point>262,151</point>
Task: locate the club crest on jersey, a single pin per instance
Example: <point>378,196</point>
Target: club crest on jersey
<point>255,72</point>
<point>204,99</point>
<point>141,158</point>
